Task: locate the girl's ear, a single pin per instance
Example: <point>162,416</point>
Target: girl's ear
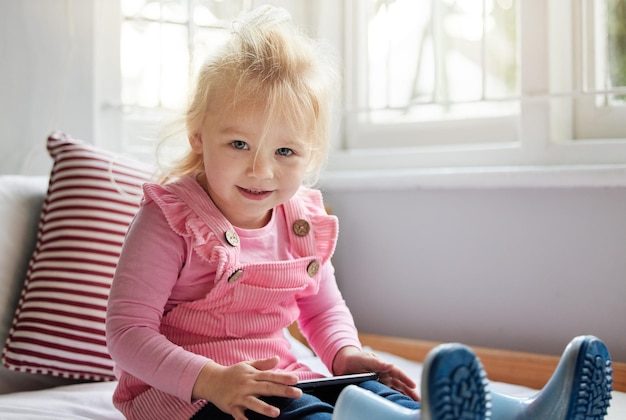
<point>195,141</point>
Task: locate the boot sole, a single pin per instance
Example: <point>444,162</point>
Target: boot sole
<point>456,385</point>
<point>593,386</point>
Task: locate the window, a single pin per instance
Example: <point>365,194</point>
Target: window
<point>428,84</point>
<point>163,43</point>
<point>603,69</point>
<point>431,62</point>
<point>484,83</point>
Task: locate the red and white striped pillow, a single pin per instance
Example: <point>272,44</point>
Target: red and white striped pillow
<point>58,328</point>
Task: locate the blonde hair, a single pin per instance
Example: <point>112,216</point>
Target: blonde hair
<point>268,61</point>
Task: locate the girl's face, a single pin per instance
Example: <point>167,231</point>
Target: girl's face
<point>247,176</point>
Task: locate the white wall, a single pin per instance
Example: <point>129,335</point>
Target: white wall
<point>515,268</point>
<point>47,78</point>
<point>519,268</point>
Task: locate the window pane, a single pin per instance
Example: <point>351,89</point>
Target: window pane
<point>616,48</point>
<point>501,54</point>
<point>394,33</point>
<point>600,108</point>
<point>164,10</point>
<point>174,66</point>
<point>162,46</point>
<point>175,11</point>
<point>605,38</point>
<point>132,8</point>
<point>449,55</point>
<point>205,41</point>
<point>216,12</point>
<point>140,61</point>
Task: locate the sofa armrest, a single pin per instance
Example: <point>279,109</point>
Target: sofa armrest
<point>21,199</point>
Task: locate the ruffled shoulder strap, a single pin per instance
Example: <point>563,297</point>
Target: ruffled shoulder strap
<point>190,214</point>
<point>314,230</point>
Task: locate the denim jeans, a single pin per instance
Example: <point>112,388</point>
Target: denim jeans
<point>309,407</point>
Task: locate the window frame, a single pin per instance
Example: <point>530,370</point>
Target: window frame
<point>544,133</point>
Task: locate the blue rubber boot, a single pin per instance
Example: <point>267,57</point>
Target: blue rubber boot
<point>579,389</point>
<point>454,385</point>
<point>356,403</point>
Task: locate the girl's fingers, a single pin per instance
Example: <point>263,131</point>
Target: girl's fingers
<point>265,364</point>
<point>404,388</point>
<point>274,389</point>
<point>397,379</point>
<point>261,407</point>
<point>280,378</point>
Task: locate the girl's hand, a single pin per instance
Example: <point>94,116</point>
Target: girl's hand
<point>237,388</point>
<point>352,360</point>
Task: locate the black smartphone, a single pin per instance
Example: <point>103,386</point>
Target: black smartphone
<point>312,385</point>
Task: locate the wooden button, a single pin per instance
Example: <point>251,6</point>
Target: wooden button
<point>231,237</point>
<point>235,276</point>
<point>301,227</point>
<point>313,268</point>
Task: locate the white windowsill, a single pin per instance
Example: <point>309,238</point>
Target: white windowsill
<point>571,176</point>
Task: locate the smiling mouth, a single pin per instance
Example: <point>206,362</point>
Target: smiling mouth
<point>259,192</point>
<point>253,193</point>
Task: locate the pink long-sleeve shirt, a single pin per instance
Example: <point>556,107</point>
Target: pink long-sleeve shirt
<point>191,288</point>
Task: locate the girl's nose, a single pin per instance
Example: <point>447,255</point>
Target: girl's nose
<point>261,168</point>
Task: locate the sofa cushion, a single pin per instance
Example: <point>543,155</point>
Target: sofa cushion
<point>58,328</point>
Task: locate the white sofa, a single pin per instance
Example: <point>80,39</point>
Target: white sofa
<point>49,396</point>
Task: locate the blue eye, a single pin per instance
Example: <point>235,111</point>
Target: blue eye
<point>284,151</point>
<point>239,144</point>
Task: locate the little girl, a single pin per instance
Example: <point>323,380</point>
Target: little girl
<point>230,249</point>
